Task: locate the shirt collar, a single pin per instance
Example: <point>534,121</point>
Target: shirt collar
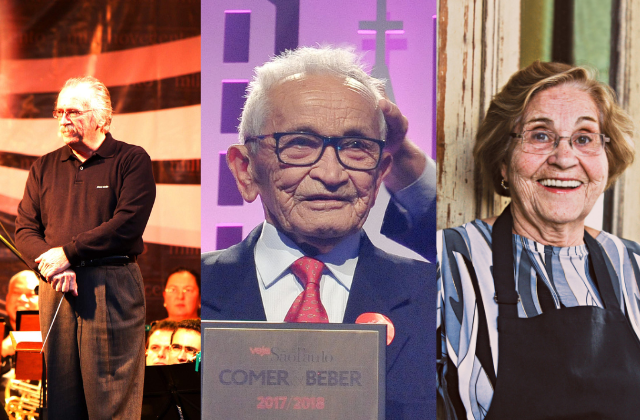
<point>107,149</point>
<point>275,252</point>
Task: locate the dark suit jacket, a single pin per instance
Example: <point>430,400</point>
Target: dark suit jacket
<point>418,235</point>
<point>404,290</point>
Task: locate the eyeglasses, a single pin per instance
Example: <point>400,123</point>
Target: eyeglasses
<point>191,352</point>
<point>544,142</point>
<point>173,290</point>
<point>71,113</point>
<point>305,149</point>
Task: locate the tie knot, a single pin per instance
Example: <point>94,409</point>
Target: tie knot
<point>308,270</point>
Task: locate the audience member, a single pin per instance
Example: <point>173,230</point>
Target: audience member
<point>159,342</point>
<point>21,296</point>
<point>182,294</point>
<point>185,342</point>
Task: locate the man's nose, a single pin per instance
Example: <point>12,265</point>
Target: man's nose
<point>329,169</point>
<point>65,119</point>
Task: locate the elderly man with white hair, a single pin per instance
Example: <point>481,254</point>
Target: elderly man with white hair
<point>313,136</point>
<point>80,221</point>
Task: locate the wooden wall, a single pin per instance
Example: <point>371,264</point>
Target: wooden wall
<point>478,49</point>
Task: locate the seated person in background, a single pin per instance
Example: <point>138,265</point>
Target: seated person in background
<point>313,147</point>
<point>185,342</point>
<point>159,342</point>
<point>182,294</point>
<point>21,296</point>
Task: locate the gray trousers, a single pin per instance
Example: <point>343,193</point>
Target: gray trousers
<point>95,351</point>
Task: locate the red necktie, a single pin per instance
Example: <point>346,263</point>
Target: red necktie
<point>307,306</point>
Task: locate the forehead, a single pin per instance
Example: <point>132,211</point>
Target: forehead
<point>186,337</point>
<point>23,284</point>
<point>182,278</point>
<point>562,104</point>
<point>74,96</point>
<point>160,337</point>
<point>326,104</point>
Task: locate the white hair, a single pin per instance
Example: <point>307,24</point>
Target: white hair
<point>341,62</point>
<point>100,100</point>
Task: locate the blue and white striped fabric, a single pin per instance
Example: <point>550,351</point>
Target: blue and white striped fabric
<point>564,272</point>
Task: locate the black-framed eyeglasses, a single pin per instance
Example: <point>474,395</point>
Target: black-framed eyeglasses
<point>544,142</point>
<point>190,351</point>
<point>305,149</point>
<point>71,113</point>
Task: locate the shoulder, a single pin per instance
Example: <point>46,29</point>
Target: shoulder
<point>393,267</point>
<point>234,255</point>
<point>470,235</point>
<point>54,156</point>
<point>612,242</point>
<point>48,162</point>
<point>123,149</point>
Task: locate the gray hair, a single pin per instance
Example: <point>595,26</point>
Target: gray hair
<point>341,62</point>
<point>100,100</point>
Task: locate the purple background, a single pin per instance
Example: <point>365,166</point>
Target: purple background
<point>270,26</point>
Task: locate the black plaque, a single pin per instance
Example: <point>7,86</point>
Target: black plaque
<point>262,370</point>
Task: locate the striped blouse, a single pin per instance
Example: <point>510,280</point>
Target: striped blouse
<point>563,271</point>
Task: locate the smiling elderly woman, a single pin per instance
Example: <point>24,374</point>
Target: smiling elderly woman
<point>537,318</point>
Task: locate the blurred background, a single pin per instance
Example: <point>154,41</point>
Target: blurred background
<point>148,54</point>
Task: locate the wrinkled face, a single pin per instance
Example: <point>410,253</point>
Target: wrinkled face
<point>185,346</point>
<point>159,348</point>
<point>181,296</point>
<point>322,202</point>
<point>534,179</point>
<point>21,296</point>
<point>83,128</point>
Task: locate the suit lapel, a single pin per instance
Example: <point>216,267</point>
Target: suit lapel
<point>373,290</point>
<point>237,294</point>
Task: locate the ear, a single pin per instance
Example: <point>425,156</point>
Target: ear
<point>384,168</point>
<point>503,171</point>
<point>241,166</point>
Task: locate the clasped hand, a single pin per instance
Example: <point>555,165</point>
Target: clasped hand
<point>54,266</point>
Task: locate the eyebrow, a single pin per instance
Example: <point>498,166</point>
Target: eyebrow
<point>549,121</point>
<point>356,132</point>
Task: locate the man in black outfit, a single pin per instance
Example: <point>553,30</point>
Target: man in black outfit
<point>81,220</point>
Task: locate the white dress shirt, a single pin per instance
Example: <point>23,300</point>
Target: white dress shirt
<point>279,288</point>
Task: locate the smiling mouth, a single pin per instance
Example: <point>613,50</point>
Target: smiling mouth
<point>558,183</point>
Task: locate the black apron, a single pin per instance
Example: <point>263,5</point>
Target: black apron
<point>573,363</point>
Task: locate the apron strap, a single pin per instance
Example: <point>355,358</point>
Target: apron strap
<point>602,278</point>
<point>503,274</point>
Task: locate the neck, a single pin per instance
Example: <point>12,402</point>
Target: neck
<point>314,247</point>
<point>87,148</point>
<point>545,233</point>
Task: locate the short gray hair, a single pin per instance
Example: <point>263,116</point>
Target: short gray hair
<point>341,62</point>
<point>100,100</point>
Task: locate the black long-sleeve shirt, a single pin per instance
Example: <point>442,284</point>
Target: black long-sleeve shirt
<point>92,209</point>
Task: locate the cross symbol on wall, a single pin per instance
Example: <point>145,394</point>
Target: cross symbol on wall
<point>381,26</point>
